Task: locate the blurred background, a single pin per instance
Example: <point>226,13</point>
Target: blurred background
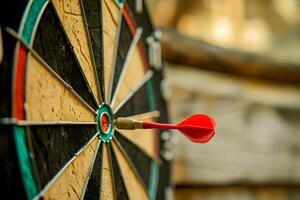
<point>238,61</point>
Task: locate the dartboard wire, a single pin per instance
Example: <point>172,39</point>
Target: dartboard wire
<point>91,52</point>
<point>101,168</point>
<point>90,170</point>
<point>14,121</point>
<point>115,54</point>
<point>157,159</point>
<point>57,175</point>
<point>108,147</point>
<point>105,158</point>
<point>118,3</point>
<point>31,156</point>
<point>146,115</point>
<point>127,59</point>
<point>126,156</point>
<point>48,68</point>
<point>71,47</point>
<point>147,77</point>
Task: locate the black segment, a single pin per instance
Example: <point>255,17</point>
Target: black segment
<point>54,146</point>
<point>164,180</point>
<point>137,104</point>
<point>125,41</point>
<point>93,14</point>
<point>52,44</point>
<point>11,184</point>
<point>93,188</point>
<point>140,160</point>
<point>120,189</point>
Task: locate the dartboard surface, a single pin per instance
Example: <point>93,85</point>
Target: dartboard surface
<point>69,68</point>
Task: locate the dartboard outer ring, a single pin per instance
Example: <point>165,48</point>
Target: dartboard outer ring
<point>19,171</point>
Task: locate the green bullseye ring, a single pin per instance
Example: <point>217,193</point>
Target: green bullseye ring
<point>105,123</point>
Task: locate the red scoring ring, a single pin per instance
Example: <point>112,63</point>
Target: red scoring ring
<point>104,122</point>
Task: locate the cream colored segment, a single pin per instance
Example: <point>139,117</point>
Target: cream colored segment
<point>110,13</point>
<point>71,16</point>
<point>145,139</point>
<point>71,182</point>
<point>133,185</point>
<point>47,99</point>
<point>134,73</point>
<point>107,181</point>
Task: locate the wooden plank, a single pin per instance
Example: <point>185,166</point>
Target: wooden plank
<point>133,185</point>
<point>110,15</point>
<point>145,139</point>
<point>71,16</point>
<point>226,85</point>
<point>238,192</point>
<point>179,49</point>
<point>47,99</point>
<point>257,136</point>
<point>132,75</point>
<point>71,182</point>
<point>107,192</point>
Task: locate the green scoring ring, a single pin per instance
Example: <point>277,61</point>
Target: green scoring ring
<point>105,136</point>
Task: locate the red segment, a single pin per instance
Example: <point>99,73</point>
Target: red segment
<point>104,121</point>
<point>19,76</point>
<point>129,20</point>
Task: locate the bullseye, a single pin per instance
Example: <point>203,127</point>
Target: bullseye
<point>105,124</point>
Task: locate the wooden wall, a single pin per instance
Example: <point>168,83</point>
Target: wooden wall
<point>238,192</point>
<point>257,139</point>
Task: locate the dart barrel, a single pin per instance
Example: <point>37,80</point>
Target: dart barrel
<point>128,124</point>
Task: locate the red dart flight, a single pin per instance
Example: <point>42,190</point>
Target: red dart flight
<point>198,128</point>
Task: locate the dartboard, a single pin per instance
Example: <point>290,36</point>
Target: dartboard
<point>69,69</point>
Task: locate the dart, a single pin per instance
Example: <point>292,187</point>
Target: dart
<point>198,128</point>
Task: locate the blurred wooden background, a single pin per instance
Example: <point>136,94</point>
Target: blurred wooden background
<point>250,84</point>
